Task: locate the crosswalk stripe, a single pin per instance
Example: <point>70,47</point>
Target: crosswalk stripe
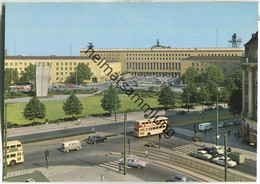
<point>112,165</point>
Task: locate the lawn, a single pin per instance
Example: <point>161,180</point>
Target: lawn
<point>91,105</point>
<point>196,117</point>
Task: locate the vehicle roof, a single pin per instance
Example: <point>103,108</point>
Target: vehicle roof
<point>204,123</point>
<point>13,142</point>
<point>181,176</point>
<point>151,119</point>
<point>67,142</point>
<point>203,151</point>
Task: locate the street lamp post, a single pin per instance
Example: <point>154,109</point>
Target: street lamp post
<point>125,143</point>
<point>217,136</point>
<point>115,104</point>
<point>225,143</point>
<point>188,92</point>
<point>5,171</point>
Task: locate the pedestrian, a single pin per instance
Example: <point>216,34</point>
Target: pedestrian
<point>205,131</point>
<point>228,132</point>
<point>238,135</point>
<point>119,168</point>
<point>235,133</point>
<point>146,153</point>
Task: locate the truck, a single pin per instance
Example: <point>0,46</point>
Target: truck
<point>205,126</point>
<point>239,158</point>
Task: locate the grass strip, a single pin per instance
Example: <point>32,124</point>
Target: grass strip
<point>200,119</point>
<point>57,137</point>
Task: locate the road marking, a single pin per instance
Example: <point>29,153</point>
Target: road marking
<point>113,165</point>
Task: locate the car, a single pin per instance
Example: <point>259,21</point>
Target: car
<point>132,162</point>
<point>218,149</point>
<point>178,178</point>
<point>222,124</point>
<point>209,108</point>
<point>201,154</point>
<point>95,139</point>
<point>221,161</point>
<point>231,123</point>
<point>209,150</point>
<point>181,112</point>
<point>219,107</point>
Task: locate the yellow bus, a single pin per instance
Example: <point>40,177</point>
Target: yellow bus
<point>152,126</point>
<point>14,152</point>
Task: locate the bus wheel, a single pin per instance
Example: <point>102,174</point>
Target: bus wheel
<point>139,167</point>
<point>12,163</point>
<point>148,134</point>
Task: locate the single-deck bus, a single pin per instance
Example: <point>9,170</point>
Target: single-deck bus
<point>14,152</point>
<point>152,126</point>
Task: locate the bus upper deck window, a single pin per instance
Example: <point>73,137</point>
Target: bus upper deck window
<point>18,145</point>
<point>12,146</point>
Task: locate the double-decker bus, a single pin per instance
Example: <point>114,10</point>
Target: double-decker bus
<point>147,127</point>
<point>14,152</point>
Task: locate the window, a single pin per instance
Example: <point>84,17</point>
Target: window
<point>12,146</point>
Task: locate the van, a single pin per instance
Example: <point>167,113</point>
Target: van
<point>205,126</point>
<point>70,145</point>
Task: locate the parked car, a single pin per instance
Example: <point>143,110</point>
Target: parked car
<point>221,161</point>
<point>181,112</point>
<point>219,107</point>
<point>218,149</point>
<point>222,124</point>
<point>96,139</point>
<point>178,178</point>
<point>209,150</point>
<point>71,145</point>
<point>209,108</point>
<point>132,162</point>
<point>201,154</point>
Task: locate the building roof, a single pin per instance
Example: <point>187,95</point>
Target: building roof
<point>225,49</point>
<point>253,38</point>
<point>48,57</point>
<point>210,58</point>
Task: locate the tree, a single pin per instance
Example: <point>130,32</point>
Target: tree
<point>190,90</point>
<point>190,75</point>
<point>11,76</point>
<point>82,72</point>
<point>28,75</point>
<point>34,109</point>
<point>203,95</point>
<point>72,106</point>
<point>166,97</point>
<point>110,102</point>
<point>224,95</point>
<point>213,73</point>
<point>212,78</point>
<point>235,88</point>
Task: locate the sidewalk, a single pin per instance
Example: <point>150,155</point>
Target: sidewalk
<point>85,122</point>
<point>84,174</point>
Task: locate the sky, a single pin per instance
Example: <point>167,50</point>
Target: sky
<point>42,29</point>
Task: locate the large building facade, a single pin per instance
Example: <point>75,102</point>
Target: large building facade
<point>165,61</point>
<point>62,66</point>
<point>249,90</point>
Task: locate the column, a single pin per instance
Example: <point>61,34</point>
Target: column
<point>250,93</point>
<point>243,90</point>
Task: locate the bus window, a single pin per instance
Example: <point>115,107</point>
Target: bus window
<point>18,145</point>
<point>12,155</point>
<point>19,154</point>
<point>12,146</point>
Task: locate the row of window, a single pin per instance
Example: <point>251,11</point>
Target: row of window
<point>157,54</point>
<point>65,68</point>
<point>153,66</point>
<point>217,54</point>
<point>154,59</point>
<point>14,154</point>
